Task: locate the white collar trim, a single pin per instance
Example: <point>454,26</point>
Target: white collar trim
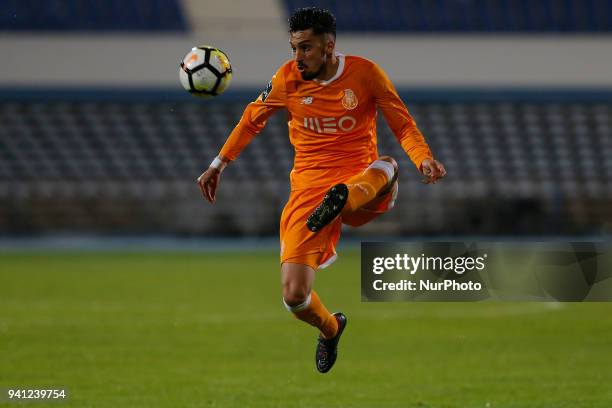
<point>338,72</point>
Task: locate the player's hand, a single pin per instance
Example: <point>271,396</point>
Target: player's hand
<point>208,182</point>
<point>433,171</point>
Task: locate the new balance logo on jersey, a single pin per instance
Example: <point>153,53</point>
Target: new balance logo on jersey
<point>330,125</point>
<point>307,100</point>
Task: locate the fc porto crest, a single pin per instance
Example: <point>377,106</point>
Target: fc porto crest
<point>349,100</point>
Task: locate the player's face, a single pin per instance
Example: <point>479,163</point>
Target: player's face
<point>310,52</point>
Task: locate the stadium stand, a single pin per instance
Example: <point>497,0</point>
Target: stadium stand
<point>515,166</point>
<point>91,15</point>
<point>85,158</point>
<point>518,16</point>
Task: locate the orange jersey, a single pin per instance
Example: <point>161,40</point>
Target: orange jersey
<point>332,124</point>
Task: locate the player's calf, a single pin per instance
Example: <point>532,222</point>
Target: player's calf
<point>372,210</point>
<point>375,181</point>
<point>304,302</point>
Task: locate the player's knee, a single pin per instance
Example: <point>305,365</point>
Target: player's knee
<point>391,160</point>
<point>295,295</point>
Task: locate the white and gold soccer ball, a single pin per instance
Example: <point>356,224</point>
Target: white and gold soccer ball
<point>205,71</point>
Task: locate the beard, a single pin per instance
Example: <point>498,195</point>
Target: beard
<point>309,76</point>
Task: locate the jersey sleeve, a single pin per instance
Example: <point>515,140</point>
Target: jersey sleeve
<point>273,98</point>
<point>399,120</point>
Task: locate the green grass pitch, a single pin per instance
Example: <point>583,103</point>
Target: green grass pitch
<point>209,330</point>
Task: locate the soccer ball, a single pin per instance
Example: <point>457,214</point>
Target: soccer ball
<point>205,71</point>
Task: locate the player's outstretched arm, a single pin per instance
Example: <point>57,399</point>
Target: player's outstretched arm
<point>433,171</point>
<point>209,180</point>
<point>251,123</point>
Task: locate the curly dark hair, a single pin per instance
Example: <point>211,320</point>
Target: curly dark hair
<point>321,21</point>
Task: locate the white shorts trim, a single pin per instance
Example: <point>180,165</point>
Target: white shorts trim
<point>329,261</point>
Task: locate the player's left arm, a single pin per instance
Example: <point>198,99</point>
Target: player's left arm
<point>404,127</point>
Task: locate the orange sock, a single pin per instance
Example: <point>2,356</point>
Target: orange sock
<point>364,187</point>
<point>316,314</point>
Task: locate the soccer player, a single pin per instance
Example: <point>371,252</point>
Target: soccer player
<point>338,176</point>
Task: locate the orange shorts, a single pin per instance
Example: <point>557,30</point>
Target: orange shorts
<point>318,250</point>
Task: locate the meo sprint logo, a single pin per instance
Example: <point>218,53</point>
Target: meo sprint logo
<point>330,125</point>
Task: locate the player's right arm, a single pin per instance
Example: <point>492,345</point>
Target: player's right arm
<point>209,180</point>
<point>252,122</point>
